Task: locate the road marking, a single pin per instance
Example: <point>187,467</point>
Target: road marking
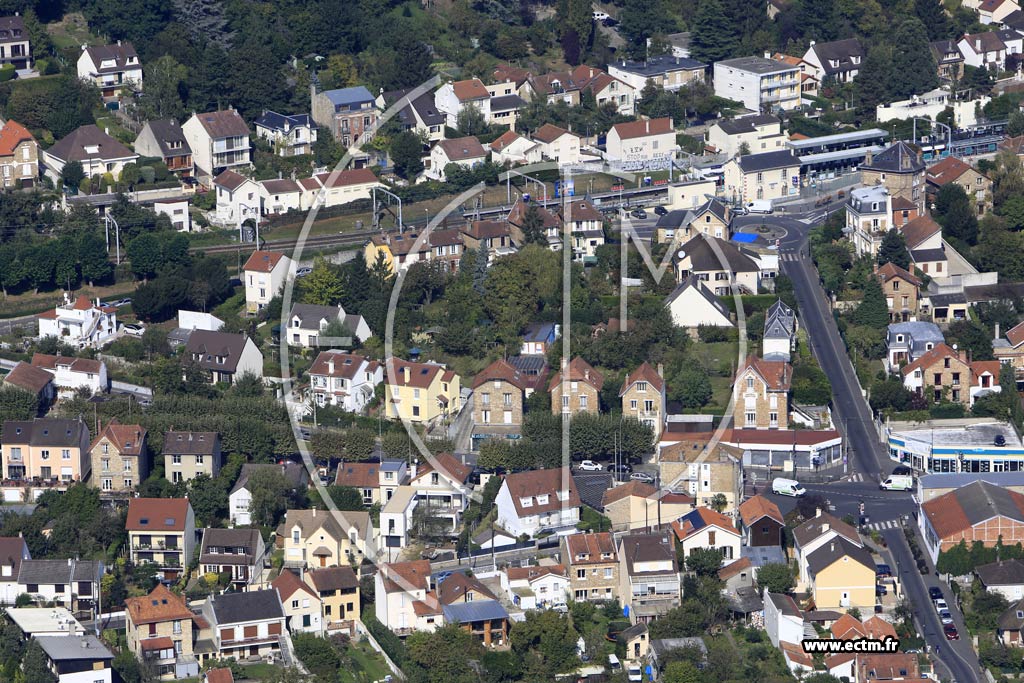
<point>883,526</point>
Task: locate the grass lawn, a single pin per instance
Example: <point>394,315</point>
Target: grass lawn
<point>27,303</point>
<point>71,32</point>
<point>261,671</point>
<point>367,665</point>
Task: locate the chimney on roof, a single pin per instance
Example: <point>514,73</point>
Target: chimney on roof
<point>817,512</point>
<point>977,44</point>
<point>868,156</point>
<point>330,366</point>
<point>661,370</point>
<point>832,547</point>
<point>767,55</point>
<point>405,373</point>
<point>997,331</point>
<point>647,125</point>
<point>825,527</point>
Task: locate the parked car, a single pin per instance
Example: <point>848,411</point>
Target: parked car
<point>123,302</point>
<point>941,605</point>
<point>590,466</point>
<point>634,673</point>
<point>638,213</point>
<point>560,607</point>
<point>610,22</point>
<point>644,477</point>
<point>881,590</point>
<point>934,592</point>
<point>621,468</point>
<point>303,272</point>
<point>951,632</point>
<point>945,617</point>
<point>660,211</point>
<point>883,571</point>
<point>134,329</point>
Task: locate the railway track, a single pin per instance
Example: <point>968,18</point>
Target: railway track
<point>284,245</point>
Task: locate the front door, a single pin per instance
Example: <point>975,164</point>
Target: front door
<point>323,560</point>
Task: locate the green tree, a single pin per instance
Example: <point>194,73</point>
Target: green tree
<point>323,286</point>
<point>145,255</point>
<point>270,493</point>
<point>873,83</point>
<point>1015,124</point>
<point>894,250</point>
<point>641,21</point>
<point>318,654</point>
<point>470,121</point>
<point>17,404</point>
<point>35,667</point>
<point>443,656</point>
<point>161,98</point>
<point>954,213</point>
<point>912,59</point>
<point>719,502</point>
<point>691,386</point>
<point>704,561</point>
<point>209,498</point>
<point>971,336</point>
<point>575,23</point>
<point>713,33</point>
<point>346,497</point>
<point>545,642</point>
<point>873,310</point>
<point>778,578</point>
<point>533,226</point>
<point>681,671</point>
<point>932,15</point>
<point>72,175</point>
<point>406,152</point>
<point>818,19</point>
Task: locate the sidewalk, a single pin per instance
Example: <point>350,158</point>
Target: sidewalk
<point>805,201</point>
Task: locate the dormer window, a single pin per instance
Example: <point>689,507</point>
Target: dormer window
<point>526,502</point>
<point>542,499</point>
<point>641,386</point>
<point>92,149</point>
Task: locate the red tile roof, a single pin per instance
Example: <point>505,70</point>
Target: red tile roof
<point>160,605</point>
<point>28,377</point>
<point>350,176</point>
<point>159,643</point>
<point>579,371</point>
<point>533,573</point>
<point>287,584</point>
<point>775,373</point>
<point>684,529</point>
<point>733,568</point>
<point>461,149</point>
<point>501,370</point>
<point>947,171</point>
<point>891,270</point>
<point>127,439</point>
<point>421,375</point>
<point>230,180</point>
<point>644,373</point>
<point>639,129</point>
<point>949,518</point>
<point>534,483</point>
<point>917,231</point>
<point>549,132</point>
<point>360,475</point>
<point>506,139</point>
<point>406,576</point>
<point>1015,335</point>
<point>157,514</point>
<point>12,135</point>
<point>590,546</point>
<point>932,356</point>
<point>222,675</point>
<point>263,261</point>
<point>633,488</point>
<point>753,509</point>
<point>471,89</point>
<point>346,365</point>
<point>447,465</point>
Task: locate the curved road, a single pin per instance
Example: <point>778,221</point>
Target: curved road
<point>868,458</point>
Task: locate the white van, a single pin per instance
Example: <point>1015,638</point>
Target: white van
<point>634,673</point>
<point>599,15</point>
<point>788,487</point>
<point>760,206</point>
<point>613,663</point>
<point>897,482</point>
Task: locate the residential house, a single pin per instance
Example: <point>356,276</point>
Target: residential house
<point>868,218</point>
<point>15,47</point>
<point>421,392</point>
<point>445,249</point>
<point>1009,348</point>
<point>345,380</point>
<point>19,154</point>
<point>923,237</point>
<point>539,338</point>
<point>978,512</point>
<point>404,597</point>
<point>419,115</point>
<point>238,198</point>
<point>1010,625</point>
<point>80,323</point>
<point>70,373</point>
<point>1005,577</point>
<point>636,505</point>
<point>338,187</point>
<point>906,342</point>
<point>337,589</point>
<point>782,619</point>
<point>308,321</point>
<point>666,71</point>
<point>779,339</point>
<point>760,84</point>
<point>533,501</point>
<point>162,532</point>
<point>816,533</point>
<point>712,218</point>
<point>223,355</point>
<point>641,144</point>
<point>576,388</point>
<point>954,171</point>
<point>177,211</point>
<point>399,250</point>
<point>746,135</point>
<point>245,624</point>
<point>46,448</point>
<point>289,135</point>
<point>442,489</point>
<point>985,50</point>
<point>762,394</point>
<point>240,497</point>
<point>550,222</point>
<point>695,466</point>
<point>605,88</point>
<point>69,657</point>
<point>265,274</point>
<point>238,552</point>
<point>13,551</point>
<point>643,396</point>
<point>649,579</point>
<point>494,236</point>
<point>900,168</point>
<point>904,211</point>
<point>70,583</point>
<point>98,153</point>
<point>218,675</point>
<point>537,587</point>
<point>995,11</point>
<point>586,227</point>
<point>901,292</point>
<point>949,60</point>
<point>554,87</point>
<point>348,113</point>
<point>706,528</point>
<point>839,60</point>
<point>466,152</point>
<point>763,523</point>
<point>499,392</point>
<point>946,374</point>
<point>189,454</point>
<point>35,381</point>
<point>558,144</point>
<point>321,538</point>
<point>453,98</point>
<point>511,148</point>
<point>164,139</point>
<point>766,175</point>
<point>120,459</point>
<point>279,196</point>
<point>738,577</point>
<point>691,305</point>
<point>160,632</point>
<point>469,604</point>
<point>219,140</point>
<point>841,575</point>
<point>114,69</point>
<point>593,565</point>
<point>300,603</point>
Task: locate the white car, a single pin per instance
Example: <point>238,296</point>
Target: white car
<point>634,673</point>
<point>134,330</point>
<point>560,607</point>
<point>643,477</point>
<point>590,466</point>
<point>941,606</point>
<point>945,617</point>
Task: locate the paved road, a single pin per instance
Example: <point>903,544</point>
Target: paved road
<point>868,458</point>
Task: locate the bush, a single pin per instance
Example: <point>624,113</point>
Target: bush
<point>7,72</point>
<point>942,411</point>
<point>709,334</point>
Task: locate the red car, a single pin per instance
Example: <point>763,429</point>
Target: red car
<point>951,632</point>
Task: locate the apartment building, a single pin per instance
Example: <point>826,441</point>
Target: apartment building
<point>643,397</point>
<point>120,459</point>
<point>576,388</point>
<point>49,449</point>
<point>762,394</point>
<point>161,531</point>
<point>760,83</point>
<point>593,566</point>
<point>189,454</point>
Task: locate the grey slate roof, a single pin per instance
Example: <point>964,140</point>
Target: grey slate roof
<point>208,345</point>
<point>469,612</point>
<point>74,648</point>
<point>507,103</point>
<point>779,321</point>
<point>76,146</point>
<point>424,106</point>
<point>50,572</point>
<point>1013,618</point>
<point>274,121</point>
<point>663,645</point>
<point>842,51</point>
<point>1003,573</point>
<point>45,431</point>
<point>897,158</point>
<point>704,259</point>
<point>310,315</point>
<point>293,472</point>
<point>166,131</point>
<point>923,255</point>
<point>835,549</point>
<point>785,604</point>
<point>693,281</point>
<point>659,65</point>
<point>981,500</point>
<point>757,65</point>
<point>233,608</point>
<point>229,538</point>
<point>767,161</point>
<point>191,443</point>
<point>346,97</point>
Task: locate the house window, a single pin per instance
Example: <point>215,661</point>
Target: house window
<point>632,404</point>
<point>581,574</point>
<point>608,572</point>
<point>750,383</point>
<point>583,401</point>
<point>751,418</point>
<point>199,460</point>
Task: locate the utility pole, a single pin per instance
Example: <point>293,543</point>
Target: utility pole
<point>107,220</point>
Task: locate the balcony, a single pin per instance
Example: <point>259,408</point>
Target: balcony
<point>270,639</point>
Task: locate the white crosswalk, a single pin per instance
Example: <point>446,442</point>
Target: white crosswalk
<point>882,526</point>
<point>857,476</point>
<point>788,256</point>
